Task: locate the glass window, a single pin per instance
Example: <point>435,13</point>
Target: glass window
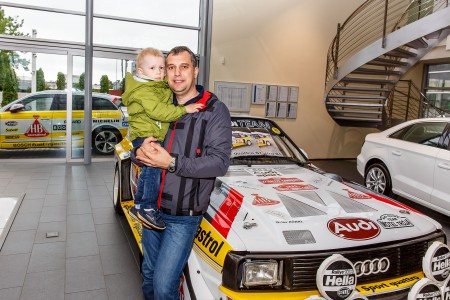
<point>422,133</point>
<point>102,104</point>
<point>59,102</point>
<point>38,103</point>
<point>437,85</point>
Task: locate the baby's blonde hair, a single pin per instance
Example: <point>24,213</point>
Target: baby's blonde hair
<point>147,51</point>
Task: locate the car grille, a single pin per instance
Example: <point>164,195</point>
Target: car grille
<point>301,271</point>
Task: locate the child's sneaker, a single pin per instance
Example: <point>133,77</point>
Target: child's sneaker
<point>151,218</point>
<point>133,212</point>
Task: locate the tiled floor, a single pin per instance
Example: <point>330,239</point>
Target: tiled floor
<point>91,258</point>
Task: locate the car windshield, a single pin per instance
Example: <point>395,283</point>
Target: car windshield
<point>262,141</point>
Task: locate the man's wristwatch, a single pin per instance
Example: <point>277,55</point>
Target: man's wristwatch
<point>172,167</point>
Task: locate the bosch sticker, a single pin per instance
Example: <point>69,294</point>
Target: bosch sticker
<point>279,180</point>
<point>295,187</point>
<point>263,201</point>
<point>336,278</point>
<point>357,229</point>
<point>393,221</point>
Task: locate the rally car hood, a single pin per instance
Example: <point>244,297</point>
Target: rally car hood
<point>268,208</point>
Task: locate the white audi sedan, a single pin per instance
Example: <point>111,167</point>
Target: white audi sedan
<point>411,160</point>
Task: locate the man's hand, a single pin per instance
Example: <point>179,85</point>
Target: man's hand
<point>152,154</point>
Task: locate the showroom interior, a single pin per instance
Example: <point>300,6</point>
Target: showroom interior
<point>60,237</point>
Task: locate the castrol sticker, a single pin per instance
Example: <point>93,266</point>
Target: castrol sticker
<point>295,187</point>
<point>436,262</point>
<point>279,180</point>
<point>425,289</point>
<point>336,278</point>
<point>357,229</point>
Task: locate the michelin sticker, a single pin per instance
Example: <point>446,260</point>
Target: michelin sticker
<point>336,278</point>
<point>436,262</point>
<point>425,289</point>
<point>389,221</point>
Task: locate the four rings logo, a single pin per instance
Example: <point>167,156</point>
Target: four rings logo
<point>370,267</point>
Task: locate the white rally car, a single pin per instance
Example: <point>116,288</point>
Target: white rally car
<point>279,228</point>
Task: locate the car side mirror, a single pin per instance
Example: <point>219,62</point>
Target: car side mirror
<point>16,107</point>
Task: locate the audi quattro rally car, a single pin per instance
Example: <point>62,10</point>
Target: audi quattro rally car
<point>280,228</point>
<point>39,120</point>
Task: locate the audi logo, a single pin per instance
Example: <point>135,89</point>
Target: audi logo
<point>374,266</point>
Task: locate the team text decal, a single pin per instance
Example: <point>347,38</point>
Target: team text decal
<point>392,221</point>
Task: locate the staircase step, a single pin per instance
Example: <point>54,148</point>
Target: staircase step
<point>371,105</point>
<point>399,52</point>
<point>357,97</point>
<point>386,62</point>
<point>376,72</point>
<point>353,111</point>
<point>416,44</point>
<point>357,119</point>
<point>367,80</point>
<point>359,89</point>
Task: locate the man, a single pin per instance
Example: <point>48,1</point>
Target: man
<point>197,149</point>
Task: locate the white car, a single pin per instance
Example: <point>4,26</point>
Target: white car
<point>279,228</point>
<point>411,160</point>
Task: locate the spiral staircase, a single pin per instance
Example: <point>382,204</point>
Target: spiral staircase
<point>371,52</point>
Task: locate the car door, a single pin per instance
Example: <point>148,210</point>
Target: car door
<point>31,126</point>
<point>441,191</point>
<point>412,159</point>
<point>59,123</point>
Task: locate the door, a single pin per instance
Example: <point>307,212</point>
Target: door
<point>441,190</point>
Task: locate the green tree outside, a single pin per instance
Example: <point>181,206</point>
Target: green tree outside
<point>40,80</point>
<point>104,84</point>
<point>81,82</point>
<point>60,81</point>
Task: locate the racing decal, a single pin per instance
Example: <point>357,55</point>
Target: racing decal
<point>445,289</point>
<point>425,289</point>
<point>263,201</point>
<point>11,129</point>
<point>336,277</point>
<point>34,145</point>
<point>279,180</point>
<point>224,217</point>
<point>387,285</point>
<point>105,121</point>
<point>251,123</point>
<point>295,187</point>
<point>263,172</point>
<point>278,214</point>
<point>436,262</point>
<point>59,127</point>
<point>357,229</point>
<point>124,124</point>
<point>136,227</point>
<point>12,137</point>
<point>36,129</point>
<point>390,221</point>
<point>356,195</point>
<point>210,245</point>
<point>11,123</point>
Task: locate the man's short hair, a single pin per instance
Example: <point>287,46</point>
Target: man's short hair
<point>147,51</point>
<point>180,49</point>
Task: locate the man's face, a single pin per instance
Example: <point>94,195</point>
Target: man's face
<point>181,75</point>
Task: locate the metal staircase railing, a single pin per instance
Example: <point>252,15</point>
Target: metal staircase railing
<point>372,50</point>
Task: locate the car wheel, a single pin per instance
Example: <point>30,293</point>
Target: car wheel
<point>378,179</point>
<point>116,192</point>
<point>104,140</point>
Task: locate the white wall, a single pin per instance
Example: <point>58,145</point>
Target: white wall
<point>285,42</point>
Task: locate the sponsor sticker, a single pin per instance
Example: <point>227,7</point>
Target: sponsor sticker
<point>384,286</point>
<point>390,221</point>
<point>445,289</point>
<point>278,214</point>
<point>276,130</point>
<point>124,124</point>
<point>59,127</point>
<point>436,262</point>
<point>36,129</point>
<point>336,278</point>
<point>295,187</point>
<point>11,129</point>
<point>425,289</point>
<point>11,123</point>
<point>264,172</point>
<point>279,180</point>
<point>356,195</point>
<point>263,201</point>
<point>12,137</point>
<point>357,229</point>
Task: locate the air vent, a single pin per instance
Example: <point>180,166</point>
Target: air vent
<point>296,237</point>
<point>298,209</point>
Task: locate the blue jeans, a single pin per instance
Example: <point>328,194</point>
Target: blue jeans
<point>148,187</point>
<point>165,255</point>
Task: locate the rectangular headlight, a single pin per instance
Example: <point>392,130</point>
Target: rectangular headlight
<point>260,273</point>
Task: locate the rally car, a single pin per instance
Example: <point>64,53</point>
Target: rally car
<point>38,120</point>
<point>280,228</point>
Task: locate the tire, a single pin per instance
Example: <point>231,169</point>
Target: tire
<point>378,179</point>
<point>116,192</point>
<point>104,139</point>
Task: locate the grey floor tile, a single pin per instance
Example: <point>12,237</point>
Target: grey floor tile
<point>42,175</point>
<point>104,215</point>
<point>47,257</point>
<point>117,259</point>
<point>29,206</point>
<point>88,295</point>
<point>11,293</point>
<point>81,244</point>
<point>101,201</point>
<point>77,185</point>
<point>124,286</point>
<point>78,195</point>
<point>13,269</point>
<point>79,207</point>
<point>83,274</point>
<point>56,189</point>
<point>80,223</point>
<point>55,200</point>
<point>35,193</point>
<point>100,190</point>
<point>46,227</point>
<point>38,184</point>
<point>26,221</point>
<point>53,214</point>
<point>95,181</point>
<point>48,285</point>
<point>59,180</point>
<point>109,234</point>
<point>18,242</point>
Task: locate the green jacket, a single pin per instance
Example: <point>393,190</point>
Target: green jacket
<point>150,107</point>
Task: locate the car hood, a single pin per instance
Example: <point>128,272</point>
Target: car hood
<point>291,208</point>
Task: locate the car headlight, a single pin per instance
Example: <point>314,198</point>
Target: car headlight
<point>261,273</point>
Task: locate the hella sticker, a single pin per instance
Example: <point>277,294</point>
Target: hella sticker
<point>336,278</point>
<point>389,221</point>
<point>263,201</point>
<point>436,262</point>
<point>425,289</point>
<point>356,229</point>
<point>11,123</point>
<point>279,180</point>
<point>445,289</point>
<point>295,187</point>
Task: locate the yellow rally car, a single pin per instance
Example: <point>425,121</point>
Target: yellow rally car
<point>279,228</point>
<point>39,120</point>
